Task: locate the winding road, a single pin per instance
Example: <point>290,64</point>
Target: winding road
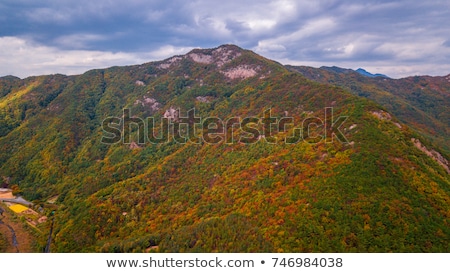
<point>13,237</point>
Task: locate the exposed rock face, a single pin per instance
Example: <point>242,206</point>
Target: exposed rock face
<point>201,58</point>
<point>241,72</point>
<point>382,115</point>
<point>220,56</point>
<point>140,83</point>
<point>169,62</point>
<point>386,116</point>
<point>150,102</point>
<point>433,154</point>
<point>204,99</point>
<point>171,114</point>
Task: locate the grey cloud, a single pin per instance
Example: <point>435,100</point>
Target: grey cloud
<point>324,31</point>
<point>391,32</point>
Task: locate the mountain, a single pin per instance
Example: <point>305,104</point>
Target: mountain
<point>341,70</point>
<point>360,71</point>
<point>421,102</point>
<point>336,69</point>
<point>245,155</point>
<point>368,74</point>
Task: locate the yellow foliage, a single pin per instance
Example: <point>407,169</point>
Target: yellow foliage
<point>15,95</point>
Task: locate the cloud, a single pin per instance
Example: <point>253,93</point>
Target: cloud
<point>316,27</point>
<point>167,51</point>
<point>400,37</point>
<point>48,15</point>
<point>79,40</point>
<point>390,33</point>
<point>23,58</point>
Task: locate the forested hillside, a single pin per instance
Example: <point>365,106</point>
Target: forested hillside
<point>370,181</point>
<point>422,102</point>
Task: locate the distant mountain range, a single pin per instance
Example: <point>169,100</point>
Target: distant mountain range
<point>346,71</point>
<point>370,75</point>
<point>259,157</point>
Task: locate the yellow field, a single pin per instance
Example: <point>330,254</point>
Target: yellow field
<point>18,208</point>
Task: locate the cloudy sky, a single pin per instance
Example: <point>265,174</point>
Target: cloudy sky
<point>397,38</point>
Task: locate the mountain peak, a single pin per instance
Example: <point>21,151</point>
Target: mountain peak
<point>223,59</point>
<point>219,55</point>
<point>228,47</point>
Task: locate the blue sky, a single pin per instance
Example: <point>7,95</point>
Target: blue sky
<point>397,38</point>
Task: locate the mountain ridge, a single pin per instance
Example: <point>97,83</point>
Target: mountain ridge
<point>419,101</point>
<point>207,51</point>
<point>368,74</point>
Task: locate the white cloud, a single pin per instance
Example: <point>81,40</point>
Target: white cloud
<point>318,26</point>
<point>293,40</point>
<point>261,24</point>
<point>420,50</point>
<point>167,51</point>
<point>23,58</point>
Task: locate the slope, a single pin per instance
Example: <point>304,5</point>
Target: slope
<point>422,102</point>
<point>367,189</point>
